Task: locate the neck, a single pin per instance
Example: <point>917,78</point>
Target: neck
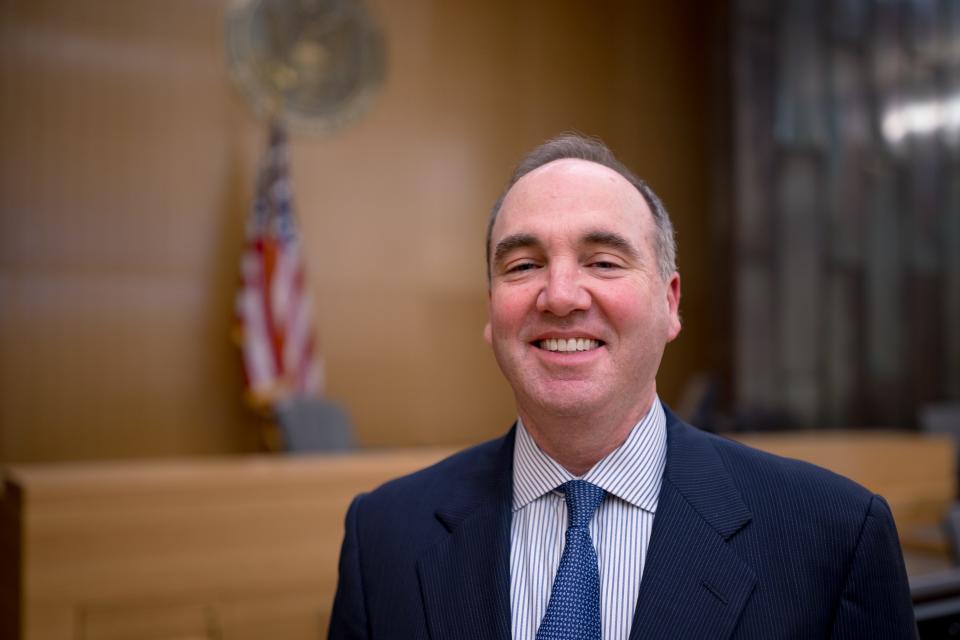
<point>578,442</point>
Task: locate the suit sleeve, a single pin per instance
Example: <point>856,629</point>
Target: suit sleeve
<point>876,597</point>
<point>348,621</point>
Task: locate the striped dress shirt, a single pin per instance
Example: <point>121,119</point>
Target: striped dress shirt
<point>620,529</point>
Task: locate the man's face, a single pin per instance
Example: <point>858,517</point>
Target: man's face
<point>578,313</point>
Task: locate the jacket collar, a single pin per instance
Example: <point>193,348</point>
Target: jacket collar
<point>694,585</point>
<point>465,578</point>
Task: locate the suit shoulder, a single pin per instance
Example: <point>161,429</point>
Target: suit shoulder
<point>793,503</point>
<point>767,473</point>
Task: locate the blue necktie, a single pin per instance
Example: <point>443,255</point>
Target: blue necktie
<point>573,612</point>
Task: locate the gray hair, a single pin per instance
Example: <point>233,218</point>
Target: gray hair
<point>580,147</point>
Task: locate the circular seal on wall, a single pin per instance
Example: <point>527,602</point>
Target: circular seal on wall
<point>315,64</point>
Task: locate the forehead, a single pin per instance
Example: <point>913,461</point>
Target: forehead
<point>568,196</point>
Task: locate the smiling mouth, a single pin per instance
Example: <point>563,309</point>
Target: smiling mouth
<point>569,344</point>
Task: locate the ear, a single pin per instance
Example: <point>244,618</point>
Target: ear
<point>487,329</point>
<point>673,306</point>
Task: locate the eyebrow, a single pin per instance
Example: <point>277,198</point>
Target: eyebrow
<point>516,241</point>
<point>611,240</point>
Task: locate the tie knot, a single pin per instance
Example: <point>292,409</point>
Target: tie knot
<point>583,499</point>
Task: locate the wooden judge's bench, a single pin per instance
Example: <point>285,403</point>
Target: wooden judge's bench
<point>244,548</point>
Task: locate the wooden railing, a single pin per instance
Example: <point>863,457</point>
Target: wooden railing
<point>233,548</point>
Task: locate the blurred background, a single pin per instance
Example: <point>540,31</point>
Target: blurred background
<point>808,152</point>
<point>129,164</point>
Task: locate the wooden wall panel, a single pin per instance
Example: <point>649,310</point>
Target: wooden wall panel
<point>119,232</point>
<point>126,170</point>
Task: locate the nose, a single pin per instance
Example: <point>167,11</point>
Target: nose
<point>563,292</point>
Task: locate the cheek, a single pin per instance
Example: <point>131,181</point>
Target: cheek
<point>507,313</point>
<point>634,311</point>
<point>630,319</point>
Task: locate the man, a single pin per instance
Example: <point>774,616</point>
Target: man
<point>600,514</point>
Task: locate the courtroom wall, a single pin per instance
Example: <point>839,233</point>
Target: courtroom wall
<point>126,168</point>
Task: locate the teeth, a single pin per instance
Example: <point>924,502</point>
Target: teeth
<point>573,344</point>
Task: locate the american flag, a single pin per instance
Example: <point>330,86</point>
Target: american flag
<point>273,306</point>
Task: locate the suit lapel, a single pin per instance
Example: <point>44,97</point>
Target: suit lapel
<point>694,585</point>
<point>465,578</point>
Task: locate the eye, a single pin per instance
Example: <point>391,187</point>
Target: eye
<point>521,267</point>
<point>604,265</point>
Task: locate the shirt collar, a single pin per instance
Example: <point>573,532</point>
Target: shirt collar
<point>632,471</point>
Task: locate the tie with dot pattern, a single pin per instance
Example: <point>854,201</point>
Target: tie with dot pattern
<point>573,612</point>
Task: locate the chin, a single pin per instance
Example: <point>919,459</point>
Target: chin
<point>573,410</point>
<point>567,403</point>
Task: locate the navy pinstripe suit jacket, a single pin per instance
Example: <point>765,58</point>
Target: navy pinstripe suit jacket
<point>744,545</point>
